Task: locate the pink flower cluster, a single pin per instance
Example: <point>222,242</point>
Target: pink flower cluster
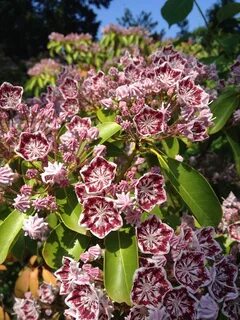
<point>30,308</point>
<point>155,97</point>
<point>182,275</point>
<point>102,202</point>
<point>82,286</point>
<point>48,66</point>
<point>230,223</point>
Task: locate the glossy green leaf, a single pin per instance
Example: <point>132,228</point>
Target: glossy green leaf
<point>107,130</point>
<point>120,263</point>
<point>9,230</point>
<point>171,147</point>
<point>175,11</point>
<point>69,209</point>
<point>194,189</point>
<point>106,115</point>
<point>223,108</point>
<point>228,11</point>
<point>63,242</point>
<point>234,141</point>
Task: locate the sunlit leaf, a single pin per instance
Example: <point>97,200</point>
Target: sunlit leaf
<point>9,230</point>
<point>63,242</point>
<point>194,189</point>
<point>223,108</point>
<point>120,263</point>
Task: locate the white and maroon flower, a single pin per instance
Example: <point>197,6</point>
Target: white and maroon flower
<point>93,253</point>
<point>69,88</point>
<point>186,240</point>
<point>10,96</point>
<point>207,308</point>
<point>6,176</point>
<point>208,245</point>
<point>133,216</point>
<point>137,313</point>
<point>190,271</point>
<point>167,75</point>
<point>149,122</point>
<point>80,191</point>
<point>150,191</point>
<point>26,308</point>
<point>55,173</point>
<point>180,304</point>
<point>84,300</point>
<point>234,231</point>
<point>79,125</point>
<point>70,106</point>
<point>100,216</point>
<point>106,307</point>
<point>154,236</point>
<point>35,228</point>
<point>33,146</point>
<point>67,274</point>
<point>46,293</point>
<point>98,175</point>
<point>191,94</point>
<point>149,286</point>
<point>224,275</point>
<point>231,307</point>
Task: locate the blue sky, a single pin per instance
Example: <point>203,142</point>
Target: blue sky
<point>117,7</point>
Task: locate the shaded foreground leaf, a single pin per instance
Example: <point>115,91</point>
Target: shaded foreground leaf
<point>223,108</point>
<point>194,189</point>
<point>234,142</point>
<point>120,263</point>
<point>70,209</point>
<point>175,11</point>
<point>9,230</point>
<point>63,242</point>
<point>228,11</point>
<point>107,130</point>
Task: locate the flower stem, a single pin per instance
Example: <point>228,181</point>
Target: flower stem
<point>201,13</point>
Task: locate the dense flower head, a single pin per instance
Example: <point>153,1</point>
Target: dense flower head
<point>156,97</point>
<point>26,308</point>
<point>44,66</point>
<point>81,178</point>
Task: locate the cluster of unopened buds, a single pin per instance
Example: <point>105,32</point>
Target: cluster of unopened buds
<point>32,308</point>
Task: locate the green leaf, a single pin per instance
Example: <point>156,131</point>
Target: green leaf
<point>63,242</point>
<point>171,147</point>
<point>175,11</point>
<point>106,115</point>
<point>120,263</point>
<point>9,230</point>
<point>228,11</point>
<point>234,142</point>
<point>69,209</point>
<point>223,108</point>
<point>107,130</point>
<point>194,189</point>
